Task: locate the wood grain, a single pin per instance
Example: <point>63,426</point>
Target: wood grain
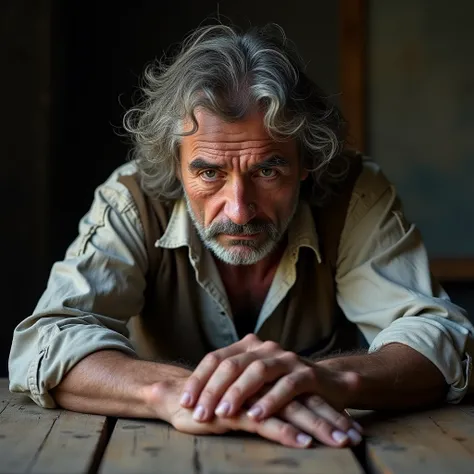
<point>38,440</point>
<point>148,447</point>
<point>250,455</point>
<point>433,442</point>
<point>155,447</point>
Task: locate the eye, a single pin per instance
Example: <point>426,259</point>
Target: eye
<point>267,173</point>
<point>209,175</point>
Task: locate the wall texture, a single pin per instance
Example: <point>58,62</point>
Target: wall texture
<point>421,114</point>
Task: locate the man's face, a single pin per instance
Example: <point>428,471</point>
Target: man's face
<point>241,186</point>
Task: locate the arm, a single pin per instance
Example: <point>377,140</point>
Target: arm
<point>396,376</point>
<point>115,384</point>
<point>90,296</point>
<point>112,383</point>
<point>385,287</point>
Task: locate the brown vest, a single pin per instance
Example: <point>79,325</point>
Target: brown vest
<point>150,330</point>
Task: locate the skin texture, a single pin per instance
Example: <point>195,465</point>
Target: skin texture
<point>234,173</point>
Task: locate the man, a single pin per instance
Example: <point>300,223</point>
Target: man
<point>201,289</point>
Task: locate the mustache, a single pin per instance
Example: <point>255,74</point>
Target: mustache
<point>231,228</point>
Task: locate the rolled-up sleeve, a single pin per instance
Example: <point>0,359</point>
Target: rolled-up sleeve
<point>90,296</point>
<point>386,288</point>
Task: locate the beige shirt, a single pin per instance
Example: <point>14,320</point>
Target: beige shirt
<point>383,286</point>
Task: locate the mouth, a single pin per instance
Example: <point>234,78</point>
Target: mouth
<point>242,236</point>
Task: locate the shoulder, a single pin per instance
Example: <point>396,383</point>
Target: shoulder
<point>371,188</point>
<point>123,192</point>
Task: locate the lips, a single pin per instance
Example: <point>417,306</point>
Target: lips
<point>242,236</point>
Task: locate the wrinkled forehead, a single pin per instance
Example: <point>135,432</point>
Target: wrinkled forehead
<point>248,132</point>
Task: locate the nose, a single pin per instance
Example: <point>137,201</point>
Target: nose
<point>239,207</point>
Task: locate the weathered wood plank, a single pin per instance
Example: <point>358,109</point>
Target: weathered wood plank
<point>250,455</point>
<point>73,445</point>
<point>36,440</point>
<point>148,447</point>
<point>433,442</point>
<point>154,447</point>
<point>23,429</point>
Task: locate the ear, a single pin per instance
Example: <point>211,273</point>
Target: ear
<point>304,174</point>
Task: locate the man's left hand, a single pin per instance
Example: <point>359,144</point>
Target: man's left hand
<point>228,378</point>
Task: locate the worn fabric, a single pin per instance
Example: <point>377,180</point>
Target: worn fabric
<point>101,297</point>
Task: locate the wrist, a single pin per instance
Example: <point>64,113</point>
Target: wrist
<point>350,382</point>
<point>158,399</point>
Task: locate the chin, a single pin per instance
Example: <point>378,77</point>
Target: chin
<point>241,254</point>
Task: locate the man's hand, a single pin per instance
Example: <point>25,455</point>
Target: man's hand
<point>308,396</point>
<point>165,395</point>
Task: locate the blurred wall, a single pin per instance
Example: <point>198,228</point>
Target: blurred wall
<point>25,159</point>
<point>421,118</point>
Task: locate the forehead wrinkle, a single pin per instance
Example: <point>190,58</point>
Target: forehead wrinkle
<point>229,145</point>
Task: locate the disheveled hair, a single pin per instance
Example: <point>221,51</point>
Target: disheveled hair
<point>229,73</point>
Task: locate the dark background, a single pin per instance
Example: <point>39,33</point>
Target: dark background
<point>68,72</point>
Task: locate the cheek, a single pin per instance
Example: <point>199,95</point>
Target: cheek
<point>278,201</point>
<point>204,202</point>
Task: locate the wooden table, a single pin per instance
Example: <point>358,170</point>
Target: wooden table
<point>35,440</point>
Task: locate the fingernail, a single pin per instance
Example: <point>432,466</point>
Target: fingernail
<point>357,426</point>
<point>355,436</point>
<point>186,399</point>
<point>255,412</point>
<point>222,409</point>
<point>303,439</point>
<point>339,437</point>
<point>199,413</point>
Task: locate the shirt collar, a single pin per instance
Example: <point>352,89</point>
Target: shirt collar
<point>180,232</point>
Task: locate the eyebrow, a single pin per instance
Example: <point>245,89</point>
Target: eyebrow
<point>271,162</point>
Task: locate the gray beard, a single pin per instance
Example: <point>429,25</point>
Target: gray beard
<point>254,251</point>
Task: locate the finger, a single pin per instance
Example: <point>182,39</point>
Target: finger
<point>252,379</point>
<point>342,422</point>
<point>323,409</point>
<point>198,379</point>
<point>283,392</point>
<point>273,429</point>
<point>300,416</point>
<point>356,425</point>
<point>225,374</point>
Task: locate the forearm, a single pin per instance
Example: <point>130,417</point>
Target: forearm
<point>395,377</point>
<point>112,383</point>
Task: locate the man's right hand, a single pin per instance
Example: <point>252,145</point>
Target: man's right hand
<point>166,395</point>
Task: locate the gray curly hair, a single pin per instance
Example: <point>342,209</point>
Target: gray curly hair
<point>228,73</point>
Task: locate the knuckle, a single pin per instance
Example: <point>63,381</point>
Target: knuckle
<point>192,382</point>
<point>271,346</point>
<point>308,374</point>
<point>208,394</point>
<point>211,360</point>
<point>230,366</point>
<point>259,367</point>
<point>235,393</point>
<point>319,424</point>
<point>290,382</point>
<point>292,408</point>
<point>315,402</point>
<point>287,431</point>
<point>251,337</point>
<point>342,422</point>
<point>290,357</point>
